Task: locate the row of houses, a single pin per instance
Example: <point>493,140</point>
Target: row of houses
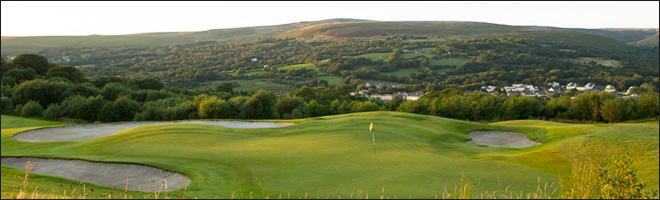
<point>553,87</point>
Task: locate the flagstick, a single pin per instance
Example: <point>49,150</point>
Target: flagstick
<point>374,139</point>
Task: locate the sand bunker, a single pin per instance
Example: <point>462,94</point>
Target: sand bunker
<point>501,139</point>
<point>104,173</point>
<point>81,132</point>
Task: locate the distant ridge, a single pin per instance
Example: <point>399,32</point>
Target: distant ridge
<point>15,45</point>
<point>338,28</point>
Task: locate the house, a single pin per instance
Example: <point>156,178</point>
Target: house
<point>542,94</point>
<point>554,84</point>
<point>571,86</point>
<point>599,88</point>
<point>379,84</point>
<point>553,90</point>
<point>610,89</point>
<point>589,86</point>
<point>254,59</point>
<point>367,84</point>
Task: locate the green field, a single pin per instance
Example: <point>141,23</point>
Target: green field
<point>402,72</point>
<point>453,61</point>
<point>19,122</point>
<point>298,66</point>
<point>332,80</point>
<point>417,156</point>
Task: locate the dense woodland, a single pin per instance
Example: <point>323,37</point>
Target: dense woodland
<point>490,61</point>
<point>62,92</point>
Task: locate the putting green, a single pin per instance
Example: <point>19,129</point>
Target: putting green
<point>416,156</point>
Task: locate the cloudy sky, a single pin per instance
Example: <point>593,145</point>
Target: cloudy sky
<point>116,18</point>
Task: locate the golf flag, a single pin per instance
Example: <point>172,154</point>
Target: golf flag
<point>371,127</point>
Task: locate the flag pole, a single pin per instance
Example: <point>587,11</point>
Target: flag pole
<point>373,137</point>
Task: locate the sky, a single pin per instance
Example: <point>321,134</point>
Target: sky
<point>77,18</point>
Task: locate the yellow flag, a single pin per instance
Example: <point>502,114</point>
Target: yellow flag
<point>371,127</point>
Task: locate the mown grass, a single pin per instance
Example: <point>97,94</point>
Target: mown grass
<point>18,122</point>
<point>417,156</point>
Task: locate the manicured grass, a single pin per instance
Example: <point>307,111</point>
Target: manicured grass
<point>298,66</point>
<point>19,122</point>
<point>417,156</point>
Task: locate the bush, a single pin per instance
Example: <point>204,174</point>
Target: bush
<point>53,112</point>
<point>31,109</point>
<point>6,106</point>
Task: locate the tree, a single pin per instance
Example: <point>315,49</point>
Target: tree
<point>69,72</point>
<point>31,109</point>
<point>44,92</point>
<point>286,104</point>
<point>612,110</point>
<point>396,54</point>
<point>148,84</point>
<point>6,106</point>
<point>38,63</point>
<point>225,87</point>
<point>102,81</point>
<point>261,106</point>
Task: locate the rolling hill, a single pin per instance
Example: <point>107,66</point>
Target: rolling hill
<point>12,46</point>
<point>322,29</point>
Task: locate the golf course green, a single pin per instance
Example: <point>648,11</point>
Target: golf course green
<point>415,156</point>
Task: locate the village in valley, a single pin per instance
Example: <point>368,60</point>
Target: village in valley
<point>517,89</point>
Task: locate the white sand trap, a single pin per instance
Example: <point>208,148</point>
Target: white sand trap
<point>81,132</point>
<point>501,139</point>
<point>104,173</point>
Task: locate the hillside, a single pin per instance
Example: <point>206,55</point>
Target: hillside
<point>12,46</point>
<point>623,35</point>
<point>455,30</point>
<point>651,41</point>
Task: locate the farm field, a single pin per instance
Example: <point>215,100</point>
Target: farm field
<point>604,62</point>
<point>416,156</point>
<point>332,80</point>
<point>299,66</point>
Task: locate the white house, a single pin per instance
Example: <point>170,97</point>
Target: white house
<point>571,86</point>
<point>610,88</point>
<point>254,59</point>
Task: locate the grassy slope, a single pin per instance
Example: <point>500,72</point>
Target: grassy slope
<point>13,46</point>
<point>19,122</point>
<point>417,156</point>
<point>651,41</point>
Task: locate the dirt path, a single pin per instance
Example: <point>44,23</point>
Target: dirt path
<point>81,132</point>
<point>501,139</point>
<point>104,173</point>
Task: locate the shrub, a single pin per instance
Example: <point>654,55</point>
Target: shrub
<point>6,106</point>
<point>31,109</point>
<point>53,112</point>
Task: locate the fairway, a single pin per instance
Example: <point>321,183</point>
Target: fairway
<point>416,156</point>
